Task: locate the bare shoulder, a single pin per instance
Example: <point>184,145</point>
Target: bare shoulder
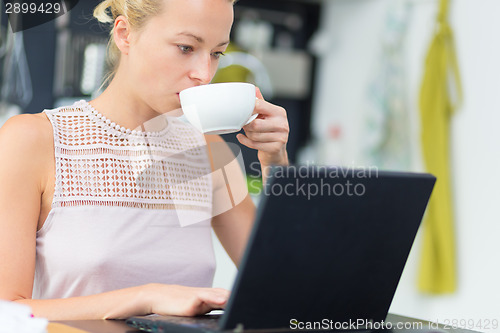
<point>27,132</point>
<point>27,144</point>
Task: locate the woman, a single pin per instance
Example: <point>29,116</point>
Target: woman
<point>88,228</point>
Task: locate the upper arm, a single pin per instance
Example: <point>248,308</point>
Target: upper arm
<point>234,210</point>
<point>21,158</point>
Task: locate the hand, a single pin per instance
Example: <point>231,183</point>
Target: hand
<point>268,133</point>
<point>185,301</point>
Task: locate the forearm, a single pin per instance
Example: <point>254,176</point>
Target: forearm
<point>233,228</point>
<point>117,304</point>
<point>266,166</point>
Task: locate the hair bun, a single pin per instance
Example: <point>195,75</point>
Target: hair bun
<point>103,12</point>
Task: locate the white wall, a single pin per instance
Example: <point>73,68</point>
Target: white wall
<point>226,270</point>
<point>352,29</point>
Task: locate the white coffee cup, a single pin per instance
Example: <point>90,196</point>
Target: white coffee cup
<point>219,108</point>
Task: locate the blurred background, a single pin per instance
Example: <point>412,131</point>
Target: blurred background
<point>349,73</point>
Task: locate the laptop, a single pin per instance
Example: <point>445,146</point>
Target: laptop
<point>328,246</point>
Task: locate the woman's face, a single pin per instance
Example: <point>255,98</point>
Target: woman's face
<point>177,49</point>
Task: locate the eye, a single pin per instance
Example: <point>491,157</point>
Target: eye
<point>185,49</point>
<point>217,55</point>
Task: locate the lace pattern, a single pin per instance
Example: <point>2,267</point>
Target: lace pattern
<point>99,163</point>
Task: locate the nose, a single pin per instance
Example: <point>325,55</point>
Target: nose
<point>202,69</point>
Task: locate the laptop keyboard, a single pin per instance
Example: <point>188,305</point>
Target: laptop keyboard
<point>158,323</point>
<point>211,321</point>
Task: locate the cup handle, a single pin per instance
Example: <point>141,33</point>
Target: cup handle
<point>252,118</point>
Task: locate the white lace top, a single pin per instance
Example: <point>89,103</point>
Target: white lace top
<point>129,208</point>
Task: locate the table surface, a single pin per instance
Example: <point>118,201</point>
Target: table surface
<point>119,326</point>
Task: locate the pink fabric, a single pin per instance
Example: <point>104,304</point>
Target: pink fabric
<point>115,223</point>
<point>88,250</point>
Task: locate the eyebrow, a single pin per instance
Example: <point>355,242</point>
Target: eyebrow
<point>199,39</point>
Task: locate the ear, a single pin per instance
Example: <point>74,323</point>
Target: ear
<point>121,34</point>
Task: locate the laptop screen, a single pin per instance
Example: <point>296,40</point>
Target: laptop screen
<point>328,244</point>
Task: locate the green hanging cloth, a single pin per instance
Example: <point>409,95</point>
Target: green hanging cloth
<point>440,95</point>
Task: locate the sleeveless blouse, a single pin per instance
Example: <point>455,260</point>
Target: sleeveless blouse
<point>129,207</point>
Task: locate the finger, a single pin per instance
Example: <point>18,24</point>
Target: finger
<point>201,308</point>
<point>263,107</point>
<point>215,296</point>
<point>270,124</point>
<point>206,300</point>
<point>267,147</point>
<point>258,93</point>
<point>266,136</point>
<point>245,141</point>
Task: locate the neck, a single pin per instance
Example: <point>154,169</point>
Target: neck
<point>120,105</point>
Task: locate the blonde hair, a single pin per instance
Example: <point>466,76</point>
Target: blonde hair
<point>137,13</point>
